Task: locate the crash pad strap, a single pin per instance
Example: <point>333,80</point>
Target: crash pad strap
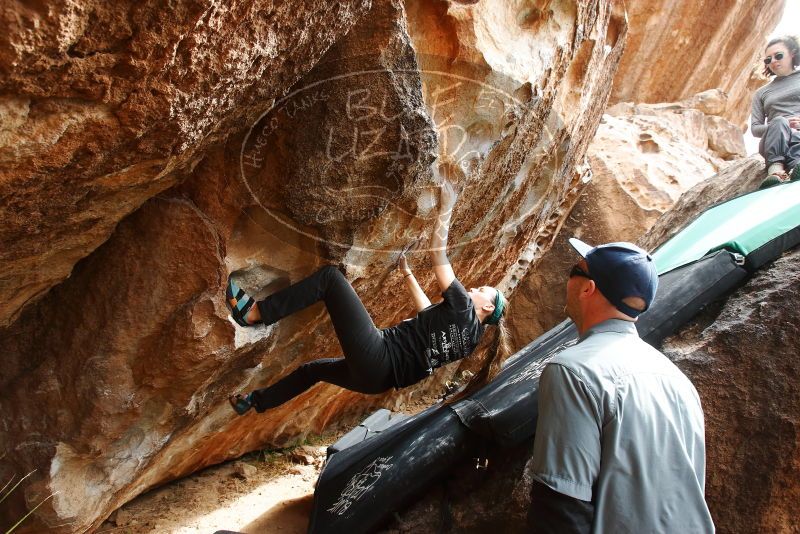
<point>474,416</point>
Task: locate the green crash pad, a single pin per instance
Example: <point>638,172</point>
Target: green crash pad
<point>739,225</point>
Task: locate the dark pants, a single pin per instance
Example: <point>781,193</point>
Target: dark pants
<point>780,143</point>
<point>366,367</point>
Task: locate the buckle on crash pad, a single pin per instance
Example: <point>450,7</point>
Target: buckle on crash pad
<point>738,259</point>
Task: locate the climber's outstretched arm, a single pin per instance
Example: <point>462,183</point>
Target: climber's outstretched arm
<point>441,265</point>
<point>421,300</point>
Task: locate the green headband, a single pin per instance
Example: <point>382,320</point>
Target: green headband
<point>499,306</point>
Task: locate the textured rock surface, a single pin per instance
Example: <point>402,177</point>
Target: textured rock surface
<point>104,105</point>
<point>743,359</point>
<point>740,177</point>
<point>642,157</point>
<point>677,49</point>
<point>127,388</point>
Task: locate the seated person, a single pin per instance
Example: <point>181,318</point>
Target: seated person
<point>778,103</point>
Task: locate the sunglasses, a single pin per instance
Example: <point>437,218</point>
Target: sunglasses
<point>577,271</point>
<point>768,59</point>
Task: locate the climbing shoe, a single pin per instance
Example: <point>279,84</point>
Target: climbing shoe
<point>795,174</point>
<point>241,403</point>
<point>774,179</point>
<point>239,303</point>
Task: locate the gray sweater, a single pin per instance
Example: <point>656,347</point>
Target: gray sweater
<point>779,98</point>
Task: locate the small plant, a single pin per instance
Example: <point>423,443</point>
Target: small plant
<point>4,495</point>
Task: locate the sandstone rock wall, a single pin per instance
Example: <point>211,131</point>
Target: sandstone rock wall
<point>147,153</point>
<point>742,358</point>
<point>105,105</point>
<point>115,380</point>
<point>642,157</point>
<point>677,49</point>
<point>741,177</point>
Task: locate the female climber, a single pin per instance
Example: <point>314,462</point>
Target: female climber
<point>779,103</point>
<point>376,360</point>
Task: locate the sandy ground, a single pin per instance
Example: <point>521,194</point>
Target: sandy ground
<point>263,492</point>
<point>260,493</point>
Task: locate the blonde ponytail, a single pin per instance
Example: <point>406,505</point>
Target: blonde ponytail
<point>493,351</point>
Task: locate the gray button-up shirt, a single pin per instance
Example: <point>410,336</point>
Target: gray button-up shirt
<point>620,425</point>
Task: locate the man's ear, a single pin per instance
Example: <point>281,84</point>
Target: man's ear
<point>489,308</point>
<point>588,289</point>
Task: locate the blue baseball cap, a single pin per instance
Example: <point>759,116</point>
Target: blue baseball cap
<point>620,270</point>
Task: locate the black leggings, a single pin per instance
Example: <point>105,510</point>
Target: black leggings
<point>366,367</point>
